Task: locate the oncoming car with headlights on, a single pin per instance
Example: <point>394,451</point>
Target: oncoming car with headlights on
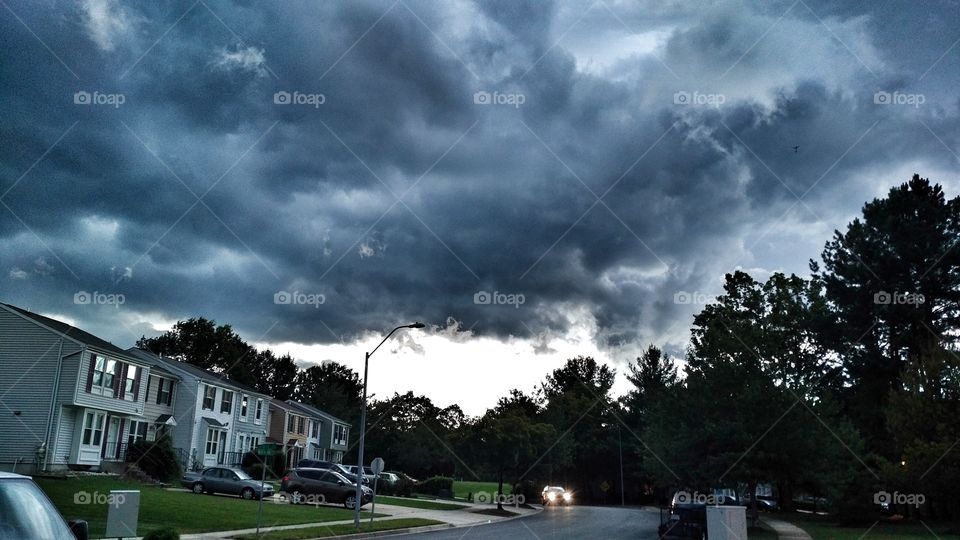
<point>556,495</point>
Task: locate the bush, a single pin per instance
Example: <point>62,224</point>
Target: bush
<point>433,485</point>
<point>162,534</point>
<point>529,490</point>
<point>156,458</point>
<point>402,488</point>
<point>256,471</point>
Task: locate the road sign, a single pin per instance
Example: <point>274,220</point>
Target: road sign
<point>267,450</point>
<point>377,465</point>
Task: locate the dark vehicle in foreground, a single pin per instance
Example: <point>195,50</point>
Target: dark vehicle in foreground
<point>319,486</point>
<point>330,466</point>
<point>555,495</point>
<point>227,480</point>
<point>26,512</point>
<point>686,519</point>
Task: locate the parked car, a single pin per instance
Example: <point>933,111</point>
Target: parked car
<point>389,478</point>
<point>555,495</point>
<point>228,480</point>
<point>687,520</point>
<point>368,475</point>
<point>405,476</point>
<point>764,502</point>
<point>26,512</point>
<point>330,466</point>
<point>332,486</point>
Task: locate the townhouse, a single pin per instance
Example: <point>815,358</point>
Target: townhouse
<point>69,399</point>
<point>217,419</point>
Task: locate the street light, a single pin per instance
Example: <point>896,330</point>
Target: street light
<point>363,423</point>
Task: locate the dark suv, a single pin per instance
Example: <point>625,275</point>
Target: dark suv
<point>319,486</point>
<point>329,466</point>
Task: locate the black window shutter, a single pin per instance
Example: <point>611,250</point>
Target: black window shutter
<point>93,366</point>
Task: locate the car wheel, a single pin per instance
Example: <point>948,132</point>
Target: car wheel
<point>198,488</point>
<point>296,497</point>
<point>350,502</point>
<point>247,493</point>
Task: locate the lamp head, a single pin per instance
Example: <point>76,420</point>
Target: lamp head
<point>416,325</point>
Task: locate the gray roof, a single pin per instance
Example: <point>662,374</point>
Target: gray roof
<point>71,332</point>
<point>200,373</point>
<point>311,410</point>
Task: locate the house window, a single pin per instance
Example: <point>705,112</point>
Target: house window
<point>254,443</point>
<point>213,442</point>
<point>291,422</point>
<point>138,431</point>
<point>226,402</point>
<point>243,406</point>
<point>165,392</point>
<point>130,384</point>
<point>93,428</point>
<point>209,397</point>
<point>300,425</point>
<point>340,434</point>
<point>104,372</point>
<point>259,413</point>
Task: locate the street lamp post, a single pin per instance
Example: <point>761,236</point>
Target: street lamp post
<point>622,487</point>
<point>363,423</point>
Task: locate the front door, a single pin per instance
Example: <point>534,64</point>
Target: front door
<point>113,438</point>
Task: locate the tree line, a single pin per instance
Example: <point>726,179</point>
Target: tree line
<point>839,385</point>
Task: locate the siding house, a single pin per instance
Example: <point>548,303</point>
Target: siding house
<point>288,428</point>
<point>217,420</point>
<point>329,436</point>
<point>68,399</point>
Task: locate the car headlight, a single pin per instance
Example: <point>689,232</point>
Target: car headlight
<point>551,495</point>
<point>567,496</point>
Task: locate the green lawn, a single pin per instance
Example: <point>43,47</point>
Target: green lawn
<point>824,528</point>
<point>419,503</point>
<point>461,489</point>
<point>335,530</point>
<point>182,510</point>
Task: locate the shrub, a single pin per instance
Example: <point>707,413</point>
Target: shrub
<point>529,491</point>
<point>156,458</point>
<point>402,488</point>
<point>165,533</point>
<point>433,485</point>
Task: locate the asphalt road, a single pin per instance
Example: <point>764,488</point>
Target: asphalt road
<point>600,522</point>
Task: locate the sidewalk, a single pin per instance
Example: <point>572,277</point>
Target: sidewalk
<point>786,531</point>
<point>451,518</point>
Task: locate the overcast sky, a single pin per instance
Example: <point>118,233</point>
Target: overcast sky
<point>317,173</point>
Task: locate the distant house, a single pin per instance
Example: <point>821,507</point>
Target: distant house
<point>217,419</point>
<point>289,425</point>
<point>328,437</point>
<point>67,397</point>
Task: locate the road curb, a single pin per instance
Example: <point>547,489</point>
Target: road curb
<point>430,528</point>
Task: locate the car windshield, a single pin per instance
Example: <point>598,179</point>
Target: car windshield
<point>367,470</point>
<point>243,475</point>
<point>338,476</point>
<point>27,514</point>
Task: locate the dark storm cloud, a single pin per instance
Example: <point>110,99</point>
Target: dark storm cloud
<point>302,197</point>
